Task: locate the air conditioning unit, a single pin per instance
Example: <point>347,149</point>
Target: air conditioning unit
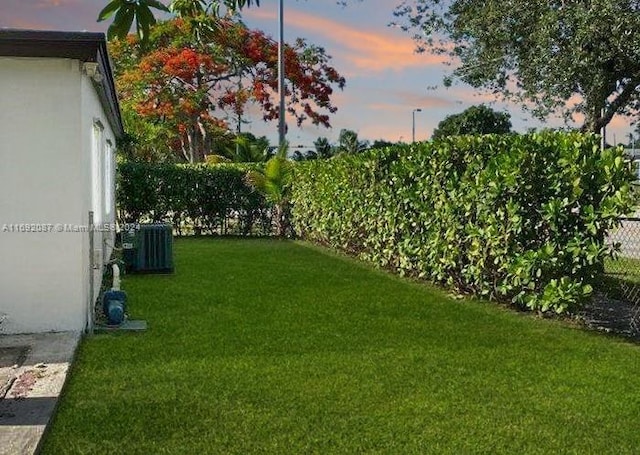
<point>148,249</point>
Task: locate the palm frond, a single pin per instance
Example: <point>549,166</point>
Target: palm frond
<point>216,159</point>
<point>256,180</point>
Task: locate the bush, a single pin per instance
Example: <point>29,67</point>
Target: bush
<point>513,218</point>
<point>206,197</point>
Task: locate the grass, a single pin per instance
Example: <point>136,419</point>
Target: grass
<point>625,268</point>
<point>622,278</point>
<point>272,347</point>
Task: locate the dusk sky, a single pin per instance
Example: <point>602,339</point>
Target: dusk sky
<point>386,80</point>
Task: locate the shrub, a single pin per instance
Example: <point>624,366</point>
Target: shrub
<point>203,196</point>
<point>514,218</point>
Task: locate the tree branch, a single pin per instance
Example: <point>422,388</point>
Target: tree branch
<point>619,102</point>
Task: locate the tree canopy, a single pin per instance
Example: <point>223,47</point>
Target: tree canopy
<point>140,13</point>
<point>349,143</point>
<point>187,92</point>
<point>474,120</point>
<point>324,149</point>
<point>568,56</point>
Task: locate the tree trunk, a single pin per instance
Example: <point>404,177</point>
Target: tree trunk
<point>283,219</point>
<point>192,146</point>
<point>279,225</point>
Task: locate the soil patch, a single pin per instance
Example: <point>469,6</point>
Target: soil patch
<point>10,359</point>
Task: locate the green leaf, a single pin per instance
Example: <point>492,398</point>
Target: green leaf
<point>144,21</point>
<point>110,10</point>
<point>272,170</point>
<point>122,22</point>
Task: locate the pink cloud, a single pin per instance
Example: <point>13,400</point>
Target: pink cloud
<point>367,50</point>
<point>620,121</point>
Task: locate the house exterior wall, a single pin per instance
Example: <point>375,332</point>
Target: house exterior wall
<point>45,181</point>
<point>99,144</point>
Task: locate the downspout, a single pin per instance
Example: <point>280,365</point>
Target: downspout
<point>90,306</point>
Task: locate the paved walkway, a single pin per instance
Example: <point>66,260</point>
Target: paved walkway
<point>33,370</point>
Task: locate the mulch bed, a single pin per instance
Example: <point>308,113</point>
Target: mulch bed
<point>611,315</point>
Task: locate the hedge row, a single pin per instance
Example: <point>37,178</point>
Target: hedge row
<point>204,198</point>
<point>513,218</point>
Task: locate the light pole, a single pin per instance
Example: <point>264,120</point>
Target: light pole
<point>281,88</point>
<point>603,133</point>
<point>413,124</point>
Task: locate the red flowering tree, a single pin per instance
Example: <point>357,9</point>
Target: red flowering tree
<point>196,89</point>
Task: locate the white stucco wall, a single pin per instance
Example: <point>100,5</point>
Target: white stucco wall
<point>93,118</point>
<point>47,110</point>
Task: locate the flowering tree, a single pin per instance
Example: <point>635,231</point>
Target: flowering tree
<point>197,88</point>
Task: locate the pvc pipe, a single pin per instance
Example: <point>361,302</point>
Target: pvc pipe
<point>116,277</point>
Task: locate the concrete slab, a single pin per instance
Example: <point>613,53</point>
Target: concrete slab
<point>43,361</point>
<point>127,326</point>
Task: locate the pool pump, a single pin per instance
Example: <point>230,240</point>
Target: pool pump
<point>114,301</point>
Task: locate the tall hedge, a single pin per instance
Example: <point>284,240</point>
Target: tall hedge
<point>514,218</point>
<point>205,197</point>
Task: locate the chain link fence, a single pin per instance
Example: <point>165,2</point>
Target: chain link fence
<point>616,305</point>
<point>627,265</point>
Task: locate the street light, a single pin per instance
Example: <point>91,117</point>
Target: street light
<point>413,125</point>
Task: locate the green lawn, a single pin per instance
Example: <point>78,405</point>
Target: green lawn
<point>624,268</point>
<point>273,347</point>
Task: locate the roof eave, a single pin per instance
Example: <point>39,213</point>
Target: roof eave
<point>82,46</point>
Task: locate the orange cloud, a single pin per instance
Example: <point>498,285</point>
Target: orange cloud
<point>366,50</point>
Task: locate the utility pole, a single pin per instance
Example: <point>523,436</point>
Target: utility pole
<point>281,87</point>
<point>603,133</point>
<point>413,124</point>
